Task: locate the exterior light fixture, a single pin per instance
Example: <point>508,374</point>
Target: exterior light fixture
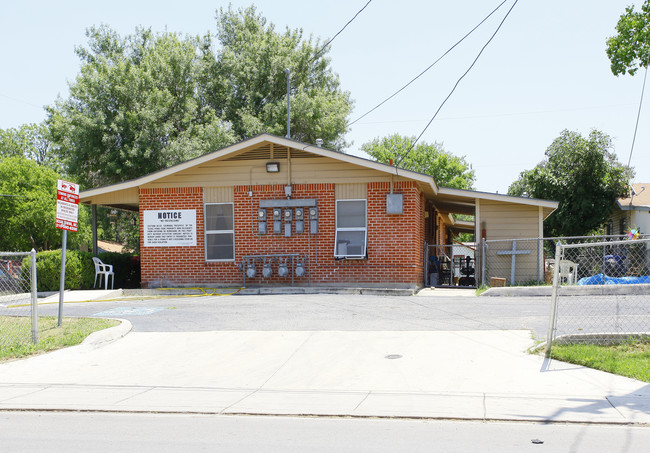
<point>272,167</point>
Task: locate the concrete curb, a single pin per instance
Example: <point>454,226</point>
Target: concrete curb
<point>104,337</point>
<point>256,291</point>
<point>575,290</point>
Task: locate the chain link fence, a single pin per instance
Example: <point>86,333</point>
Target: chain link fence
<point>527,261</point>
<point>18,298</point>
<point>601,293</point>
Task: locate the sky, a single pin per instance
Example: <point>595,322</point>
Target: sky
<point>546,70</point>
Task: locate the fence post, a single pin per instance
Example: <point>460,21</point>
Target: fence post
<point>483,253</point>
<point>556,283</point>
<point>34,297</point>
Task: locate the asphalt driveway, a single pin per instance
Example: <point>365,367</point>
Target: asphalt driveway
<point>321,312</point>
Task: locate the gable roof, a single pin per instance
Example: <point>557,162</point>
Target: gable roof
<point>426,180</point>
<point>639,198</point>
<point>125,194</point>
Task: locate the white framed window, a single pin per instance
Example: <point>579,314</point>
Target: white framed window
<point>351,229</point>
<point>219,223</point>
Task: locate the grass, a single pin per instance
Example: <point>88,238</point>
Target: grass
<point>630,358</point>
<point>50,336</point>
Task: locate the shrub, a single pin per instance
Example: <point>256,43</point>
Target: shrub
<point>125,266</point>
<point>80,270</point>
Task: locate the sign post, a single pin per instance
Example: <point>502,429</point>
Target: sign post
<point>67,213</point>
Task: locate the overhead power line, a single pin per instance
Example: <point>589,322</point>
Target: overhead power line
<point>340,31</point>
<point>429,67</point>
<point>456,85</point>
<point>638,115</point>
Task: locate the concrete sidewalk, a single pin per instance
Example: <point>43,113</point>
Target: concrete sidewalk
<point>478,375</point>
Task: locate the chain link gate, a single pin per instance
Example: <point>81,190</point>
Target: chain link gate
<point>526,261</point>
<point>18,298</point>
<point>601,293</point>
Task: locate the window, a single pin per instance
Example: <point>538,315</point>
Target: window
<point>351,229</point>
<point>219,232</point>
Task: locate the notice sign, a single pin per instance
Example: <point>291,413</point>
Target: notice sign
<point>67,205</point>
<point>170,228</point>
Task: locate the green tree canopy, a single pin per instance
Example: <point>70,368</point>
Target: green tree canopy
<point>149,100</point>
<point>249,82</point>
<point>31,141</point>
<point>432,159</point>
<point>133,108</point>
<point>583,175</point>
<point>28,208</point>
<point>629,50</point>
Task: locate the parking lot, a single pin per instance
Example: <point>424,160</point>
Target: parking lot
<point>307,312</point>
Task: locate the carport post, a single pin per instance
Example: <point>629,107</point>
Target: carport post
<point>94,212</point>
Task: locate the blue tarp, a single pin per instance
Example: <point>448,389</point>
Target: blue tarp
<point>602,279</point>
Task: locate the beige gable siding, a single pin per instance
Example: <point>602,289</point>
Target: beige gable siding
<point>351,191</point>
<point>512,221</point>
<point>218,195</point>
<point>128,196</point>
<point>253,172</point>
<point>507,220</point>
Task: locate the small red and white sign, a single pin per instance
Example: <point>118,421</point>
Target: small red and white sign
<point>67,205</point>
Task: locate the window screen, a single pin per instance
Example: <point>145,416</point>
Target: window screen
<point>351,229</point>
<point>219,232</point>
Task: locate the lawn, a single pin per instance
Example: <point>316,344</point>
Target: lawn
<point>72,332</point>
<point>631,358</point>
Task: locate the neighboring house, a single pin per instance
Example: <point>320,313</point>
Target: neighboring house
<point>270,210</point>
<point>631,212</point>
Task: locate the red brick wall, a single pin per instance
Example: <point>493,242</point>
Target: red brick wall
<point>395,242</point>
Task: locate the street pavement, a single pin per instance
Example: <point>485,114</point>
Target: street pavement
<point>441,374</point>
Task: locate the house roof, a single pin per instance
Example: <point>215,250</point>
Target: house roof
<point>429,183</point>
<point>124,195</point>
<point>639,198</point>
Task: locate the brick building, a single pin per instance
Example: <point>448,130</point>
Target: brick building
<point>272,211</point>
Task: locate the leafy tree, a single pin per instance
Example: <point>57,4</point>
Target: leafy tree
<point>31,141</point>
<point>432,159</point>
<point>146,101</point>
<point>583,175</point>
<point>250,83</point>
<point>629,50</point>
<point>28,208</point>
<point>133,108</point>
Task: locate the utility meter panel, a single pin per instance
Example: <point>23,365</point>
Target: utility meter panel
<point>313,220</point>
<point>299,213</point>
<point>261,214</point>
<point>261,217</point>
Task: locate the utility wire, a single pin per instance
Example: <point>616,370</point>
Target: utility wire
<point>456,85</point>
<point>638,115</point>
<point>340,31</point>
<point>429,67</point>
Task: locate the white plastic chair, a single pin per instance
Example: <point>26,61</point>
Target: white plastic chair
<point>568,271</point>
<point>105,271</point>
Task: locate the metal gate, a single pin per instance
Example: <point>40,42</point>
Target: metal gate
<point>450,265</point>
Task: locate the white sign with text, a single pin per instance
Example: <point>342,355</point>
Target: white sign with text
<point>170,228</point>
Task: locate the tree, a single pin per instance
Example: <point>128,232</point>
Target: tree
<point>28,208</point>
<point>147,101</point>
<point>432,159</point>
<point>583,175</point>
<point>629,50</point>
<point>31,141</point>
<point>250,83</point>
<point>133,108</point>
